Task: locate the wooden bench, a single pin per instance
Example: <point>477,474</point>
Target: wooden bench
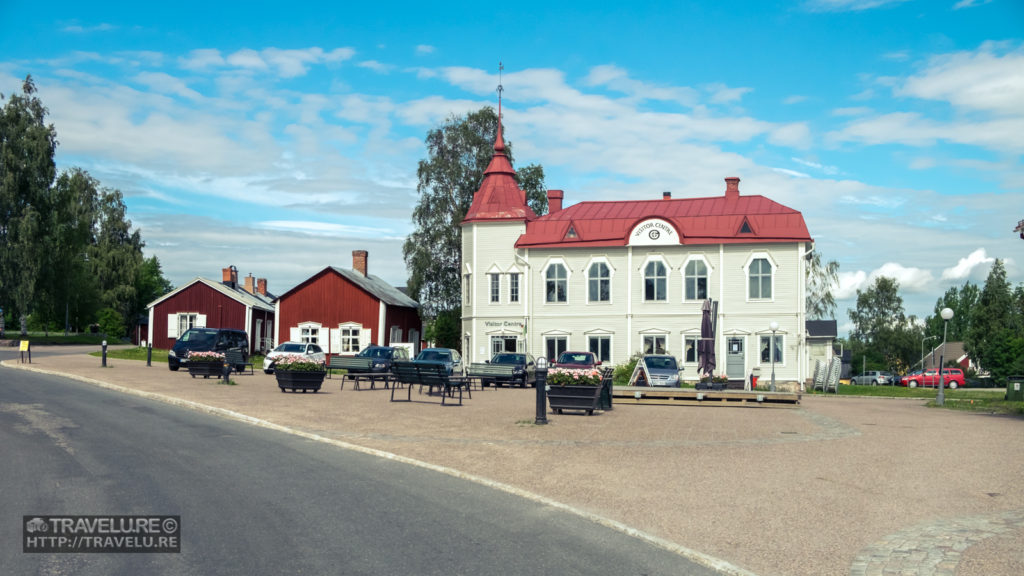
<point>430,375</point>
<point>495,374</point>
<point>352,365</point>
<point>237,362</point>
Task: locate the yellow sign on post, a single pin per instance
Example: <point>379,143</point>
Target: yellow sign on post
<point>25,348</point>
<point>24,345</point>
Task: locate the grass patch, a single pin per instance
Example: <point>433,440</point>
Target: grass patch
<point>989,400</point>
<point>137,353</point>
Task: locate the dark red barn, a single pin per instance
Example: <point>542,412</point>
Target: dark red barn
<point>345,311</point>
<point>206,303</point>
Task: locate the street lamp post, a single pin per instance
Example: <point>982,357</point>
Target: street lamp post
<point>947,315</point>
<point>771,350</point>
<point>923,340</point>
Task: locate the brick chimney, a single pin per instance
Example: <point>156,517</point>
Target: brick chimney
<point>249,284</point>
<point>230,276</point>
<point>261,286</point>
<point>359,261</point>
<point>666,195</point>
<point>555,201</point>
<point>732,188</point>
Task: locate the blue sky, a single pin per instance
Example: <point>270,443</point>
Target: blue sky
<point>278,137</point>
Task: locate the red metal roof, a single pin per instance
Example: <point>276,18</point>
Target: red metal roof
<point>717,220</point>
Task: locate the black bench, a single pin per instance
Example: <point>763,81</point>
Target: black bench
<point>356,369</point>
<point>495,374</point>
<point>237,361</point>
<point>430,375</point>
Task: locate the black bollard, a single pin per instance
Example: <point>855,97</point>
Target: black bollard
<point>226,372</point>
<point>542,385</point>
<point>104,364</point>
<point>149,354</point>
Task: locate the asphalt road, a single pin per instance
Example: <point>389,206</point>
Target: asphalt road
<point>256,501</point>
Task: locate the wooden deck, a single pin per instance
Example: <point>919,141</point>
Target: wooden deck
<point>691,397</point>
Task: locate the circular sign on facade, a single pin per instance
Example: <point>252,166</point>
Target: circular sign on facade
<point>653,232</point>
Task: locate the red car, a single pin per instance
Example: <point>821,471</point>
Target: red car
<point>576,361</point>
<point>953,377</point>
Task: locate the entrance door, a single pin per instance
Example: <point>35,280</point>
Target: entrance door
<point>735,358</point>
<point>501,344</point>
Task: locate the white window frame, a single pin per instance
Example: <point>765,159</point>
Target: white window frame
<point>600,337</point>
<point>655,336</point>
<point>772,269</point>
<point>494,288</point>
<point>707,278</point>
<point>667,277</point>
<point>514,284</point>
<point>346,338</point>
<point>611,275</point>
<point>780,349</point>
<point>695,338</point>
<point>309,332</point>
<point>544,277</point>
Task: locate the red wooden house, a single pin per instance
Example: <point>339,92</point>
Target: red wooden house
<point>206,303</point>
<point>345,311</point>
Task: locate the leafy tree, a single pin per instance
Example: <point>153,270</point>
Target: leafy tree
<point>27,169</point>
<point>821,279</point>
<point>115,258</point>
<point>994,321</point>
<point>962,302</point>
<point>443,330</point>
<point>458,152</point>
<point>111,323</point>
<point>878,307</point>
<point>150,284</point>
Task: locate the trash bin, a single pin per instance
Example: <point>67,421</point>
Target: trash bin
<point>1015,389</point>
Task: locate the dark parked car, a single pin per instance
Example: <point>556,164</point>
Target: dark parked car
<point>451,359</point>
<point>381,357</point>
<point>207,340</point>
<point>577,361</point>
<point>524,369</point>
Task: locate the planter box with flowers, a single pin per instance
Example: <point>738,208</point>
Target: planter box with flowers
<point>573,389</point>
<point>297,372</point>
<point>205,364</point>
<point>712,383</point>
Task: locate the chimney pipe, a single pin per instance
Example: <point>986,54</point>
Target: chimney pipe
<point>359,261</point>
<point>229,276</point>
<point>555,201</point>
<point>261,286</point>
<point>249,284</point>
<point>732,188</point>
<point>666,195</point>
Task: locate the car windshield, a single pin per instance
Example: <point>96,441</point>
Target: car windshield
<point>508,359</point>
<point>374,353</point>
<point>434,355</point>
<point>660,362</point>
<point>290,347</point>
<point>576,358</point>
<point>199,336</point>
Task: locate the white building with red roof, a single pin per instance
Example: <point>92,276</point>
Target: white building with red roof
<point>632,276</point>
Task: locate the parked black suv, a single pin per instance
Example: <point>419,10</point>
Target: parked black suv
<point>206,340</point>
<point>381,357</point>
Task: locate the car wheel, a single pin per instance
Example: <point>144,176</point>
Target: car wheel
<point>952,385</point>
<point>268,371</point>
<point>913,384</point>
<point>173,368</point>
<point>874,382</point>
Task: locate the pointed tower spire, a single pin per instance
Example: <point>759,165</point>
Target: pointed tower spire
<point>499,196</point>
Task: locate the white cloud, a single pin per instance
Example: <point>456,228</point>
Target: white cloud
<point>965,266</point>
<point>989,79</point>
<point>969,4</point>
<point>166,84</point>
<point>852,111</point>
<point>828,170</point>
<point>618,79</point>
<point>794,99</point>
<point>792,173</point>
<point>847,5</point>
<point>795,135</point>
<point>376,66</point>
<point>287,63</point>
<point>79,29</point>
<point>722,94</point>
<point>424,49</point>
<point>911,129</point>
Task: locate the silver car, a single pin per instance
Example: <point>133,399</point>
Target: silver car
<point>872,378</point>
<point>663,369</point>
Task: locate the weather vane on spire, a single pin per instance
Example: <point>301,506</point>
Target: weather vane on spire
<point>500,87</point>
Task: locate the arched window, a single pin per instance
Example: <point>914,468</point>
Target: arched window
<point>760,277</point>
<point>600,283</point>
<point>655,281</point>
<point>696,280</point>
<point>556,280</point>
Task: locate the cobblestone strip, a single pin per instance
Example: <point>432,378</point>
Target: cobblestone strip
<point>932,549</point>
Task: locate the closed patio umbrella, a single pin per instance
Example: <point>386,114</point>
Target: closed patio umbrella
<point>706,346</point>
